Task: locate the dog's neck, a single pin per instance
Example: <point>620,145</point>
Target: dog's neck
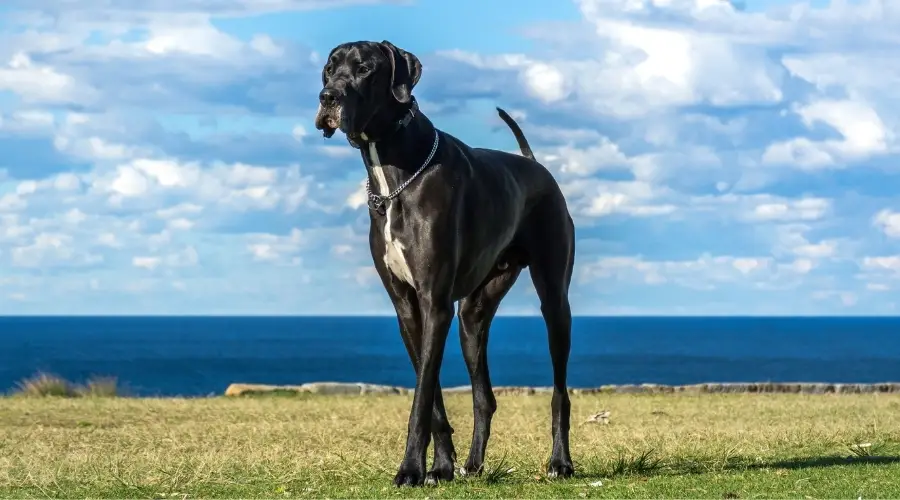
<point>391,161</point>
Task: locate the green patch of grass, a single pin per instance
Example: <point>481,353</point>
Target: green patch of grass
<point>705,446</point>
<point>498,472</point>
<point>641,464</point>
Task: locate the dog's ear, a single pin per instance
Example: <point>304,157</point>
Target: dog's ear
<point>405,71</point>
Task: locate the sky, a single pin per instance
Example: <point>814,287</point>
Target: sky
<point>160,157</point>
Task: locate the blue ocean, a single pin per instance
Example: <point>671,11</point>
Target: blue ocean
<point>200,356</point>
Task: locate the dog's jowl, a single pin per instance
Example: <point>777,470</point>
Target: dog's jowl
<point>450,222</point>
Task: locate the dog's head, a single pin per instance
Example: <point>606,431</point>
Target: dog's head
<point>366,87</point>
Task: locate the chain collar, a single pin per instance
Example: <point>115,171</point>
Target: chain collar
<point>376,201</point>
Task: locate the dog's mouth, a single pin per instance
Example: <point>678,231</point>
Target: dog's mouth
<point>329,119</point>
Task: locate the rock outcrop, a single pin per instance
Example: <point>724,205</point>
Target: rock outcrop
<point>323,388</point>
<point>359,388</point>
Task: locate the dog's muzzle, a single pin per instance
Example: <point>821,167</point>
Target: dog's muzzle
<point>328,117</point>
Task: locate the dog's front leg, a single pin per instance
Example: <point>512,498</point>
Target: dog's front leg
<point>437,314</point>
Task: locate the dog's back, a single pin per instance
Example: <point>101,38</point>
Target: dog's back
<point>505,189</point>
<point>535,180</point>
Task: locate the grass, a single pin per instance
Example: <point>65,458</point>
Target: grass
<point>47,384</point>
<point>707,446</point>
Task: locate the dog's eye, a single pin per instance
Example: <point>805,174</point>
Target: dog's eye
<point>328,68</point>
<point>363,70</point>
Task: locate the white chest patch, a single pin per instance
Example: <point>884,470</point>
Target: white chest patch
<point>393,252</point>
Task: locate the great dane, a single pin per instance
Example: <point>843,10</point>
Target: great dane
<point>450,222</point>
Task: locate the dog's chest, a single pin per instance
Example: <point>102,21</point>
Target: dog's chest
<point>394,249</point>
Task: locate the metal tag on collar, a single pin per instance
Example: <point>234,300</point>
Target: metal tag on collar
<point>376,204</point>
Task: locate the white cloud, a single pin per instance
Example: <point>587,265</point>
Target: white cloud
<point>27,122</point>
<point>887,264</point>
<point>146,262</point>
<point>51,249</point>
<point>91,148</point>
<point>610,203</point>
<point>276,248</point>
<point>636,65</point>
<point>11,202</point>
<point>129,181</point>
<point>234,187</point>
<point>758,208</point>
<point>357,198</point>
<point>803,209</point>
<point>816,250</point>
<point>571,160</point>
<point>747,265</point>
<point>185,257</point>
<point>109,240</point>
<point>196,38</point>
<point>771,208</point>
<point>66,182</point>
<point>26,187</point>
<point>888,222</point>
<point>792,241</point>
<point>592,198</point>
<point>299,132</point>
<point>846,299</point>
<point>179,210</point>
<point>217,7</point>
<point>180,224</point>
<point>862,131</point>
<point>545,82</point>
<point>41,84</point>
<point>707,272</point>
<point>802,266</point>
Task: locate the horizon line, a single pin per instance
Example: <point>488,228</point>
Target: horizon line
<point>376,315</point>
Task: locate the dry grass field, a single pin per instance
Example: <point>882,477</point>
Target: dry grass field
<point>698,446</point>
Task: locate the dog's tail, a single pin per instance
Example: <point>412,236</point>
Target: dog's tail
<point>520,137</point>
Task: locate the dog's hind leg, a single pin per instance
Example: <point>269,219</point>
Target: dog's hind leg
<point>475,315</point>
<point>552,252</point>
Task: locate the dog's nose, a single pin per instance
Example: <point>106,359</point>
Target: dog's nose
<point>328,97</point>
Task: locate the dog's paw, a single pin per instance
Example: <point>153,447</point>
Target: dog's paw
<point>470,469</point>
<point>560,469</point>
<point>410,475</point>
<point>443,468</point>
<point>439,475</point>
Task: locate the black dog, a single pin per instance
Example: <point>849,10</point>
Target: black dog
<point>450,223</point>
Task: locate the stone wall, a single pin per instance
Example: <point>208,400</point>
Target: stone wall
<point>331,388</point>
